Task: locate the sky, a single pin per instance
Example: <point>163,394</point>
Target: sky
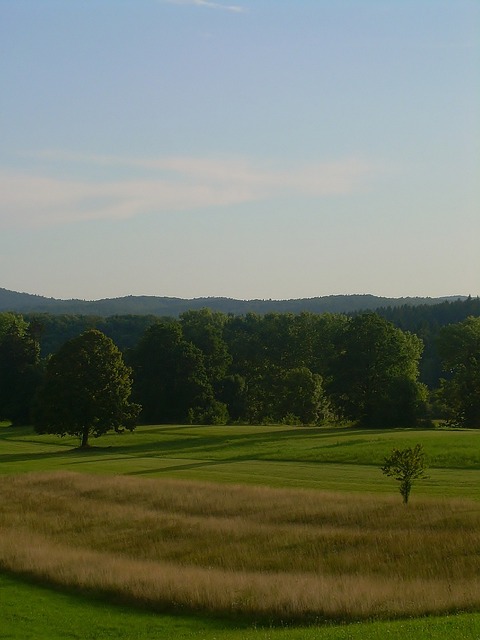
<point>240,148</point>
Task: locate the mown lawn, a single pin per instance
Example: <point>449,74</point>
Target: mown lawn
<point>327,458</point>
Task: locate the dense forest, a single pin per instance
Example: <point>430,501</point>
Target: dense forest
<point>394,367</point>
<point>423,320</point>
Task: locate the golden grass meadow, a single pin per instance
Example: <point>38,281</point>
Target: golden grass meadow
<point>270,554</point>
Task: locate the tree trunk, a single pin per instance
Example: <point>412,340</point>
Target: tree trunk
<point>85,438</point>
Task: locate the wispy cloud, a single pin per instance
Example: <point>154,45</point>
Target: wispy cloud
<point>210,5</point>
<point>165,185</point>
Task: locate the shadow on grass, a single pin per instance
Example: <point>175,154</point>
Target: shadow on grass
<point>7,432</point>
<point>18,435</point>
<point>201,464</point>
<point>44,455</point>
<point>196,442</point>
<point>210,443</point>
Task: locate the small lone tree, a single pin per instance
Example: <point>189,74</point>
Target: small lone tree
<point>406,465</point>
<point>86,390</point>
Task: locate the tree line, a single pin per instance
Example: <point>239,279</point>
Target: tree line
<point>212,368</point>
<point>425,320</point>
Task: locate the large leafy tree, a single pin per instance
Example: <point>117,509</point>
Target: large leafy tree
<point>375,375</point>
<point>459,347</point>
<point>86,390</point>
<point>19,368</point>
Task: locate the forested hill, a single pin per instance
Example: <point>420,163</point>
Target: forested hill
<point>165,306</point>
<point>424,318</point>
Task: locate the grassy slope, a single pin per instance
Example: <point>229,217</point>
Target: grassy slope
<point>267,553</point>
<point>274,456</point>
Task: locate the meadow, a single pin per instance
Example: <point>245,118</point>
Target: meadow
<point>247,528</point>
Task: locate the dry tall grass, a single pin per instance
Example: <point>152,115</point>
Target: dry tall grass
<point>267,553</point>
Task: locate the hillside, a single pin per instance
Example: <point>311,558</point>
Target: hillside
<point>167,306</point>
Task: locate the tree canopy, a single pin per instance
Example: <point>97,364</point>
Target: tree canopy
<point>459,347</point>
<point>19,368</point>
<point>374,379</point>
<point>171,380</point>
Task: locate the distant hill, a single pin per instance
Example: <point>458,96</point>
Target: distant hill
<point>165,306</point>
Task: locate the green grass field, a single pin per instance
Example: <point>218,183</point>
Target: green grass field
<point>341,460</point>
<point>32,612</point>
<point>327,459</point>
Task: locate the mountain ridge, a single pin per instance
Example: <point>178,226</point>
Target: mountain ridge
<point>19,302</point>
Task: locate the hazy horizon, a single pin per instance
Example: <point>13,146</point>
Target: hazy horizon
<point>242,149</point>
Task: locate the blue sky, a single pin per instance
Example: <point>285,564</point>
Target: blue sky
<point>240,148</point>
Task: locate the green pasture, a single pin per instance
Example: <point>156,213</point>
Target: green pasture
<point>323,458</point>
